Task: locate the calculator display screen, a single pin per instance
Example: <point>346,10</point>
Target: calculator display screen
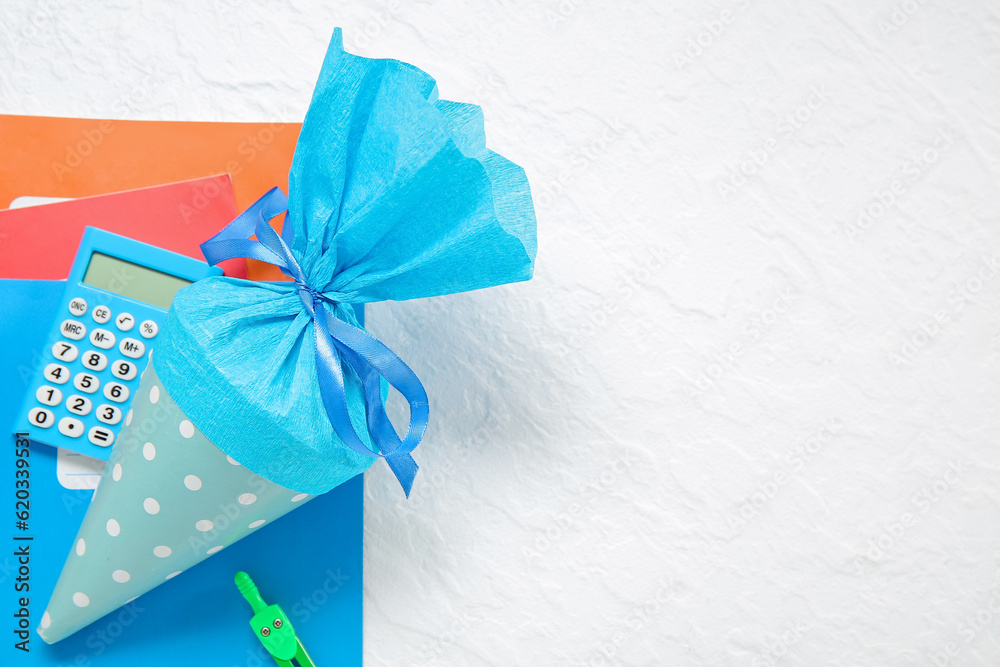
<point>132,280</point>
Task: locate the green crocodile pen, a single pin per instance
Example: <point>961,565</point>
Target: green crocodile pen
<point>272,627</point>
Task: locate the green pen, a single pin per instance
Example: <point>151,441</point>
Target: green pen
<point>272,627</point>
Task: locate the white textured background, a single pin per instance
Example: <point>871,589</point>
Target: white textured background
<point>729,422</point>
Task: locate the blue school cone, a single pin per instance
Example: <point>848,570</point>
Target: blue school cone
<point>168,499</point>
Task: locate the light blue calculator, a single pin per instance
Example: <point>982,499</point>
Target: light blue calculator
<point>116,299</point>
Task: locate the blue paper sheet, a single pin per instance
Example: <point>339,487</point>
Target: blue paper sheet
<point>318,581</point>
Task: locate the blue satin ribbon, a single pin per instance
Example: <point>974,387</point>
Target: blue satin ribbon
<point>369,358</point>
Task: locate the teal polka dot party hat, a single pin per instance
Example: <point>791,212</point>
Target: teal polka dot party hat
<point>262,395</point>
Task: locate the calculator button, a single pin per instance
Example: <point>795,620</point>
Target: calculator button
<point>148,329</point>
<point>86,382</point>
<point>41,417</point>
<point>94,361</point>
<point>79,405</point>
<point>101,314</point>
<point>47,395</point>
<point>132,347</point>
<point>109,414</point>
<point>125,322</point>
<point>124,370</point>
<point>73,330</point>
<point>65,351</point>
<point>56,374</point>
<point>102,338</point>
<point>100,436</point>
<point>71,428</point>
<point>78,306</point>
<point>116,392</point>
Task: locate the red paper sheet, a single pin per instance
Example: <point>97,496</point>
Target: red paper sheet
<point>39,242</point>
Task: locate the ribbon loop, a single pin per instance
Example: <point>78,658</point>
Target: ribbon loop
<point>335,341</point>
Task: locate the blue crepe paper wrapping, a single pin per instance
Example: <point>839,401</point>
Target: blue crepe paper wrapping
<point>393,195</point>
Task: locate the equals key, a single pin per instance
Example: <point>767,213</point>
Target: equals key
<point>100,436</point>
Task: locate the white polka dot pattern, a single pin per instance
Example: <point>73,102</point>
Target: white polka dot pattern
<point>172,500</point>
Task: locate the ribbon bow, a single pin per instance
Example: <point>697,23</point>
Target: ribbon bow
<point>369,358</point>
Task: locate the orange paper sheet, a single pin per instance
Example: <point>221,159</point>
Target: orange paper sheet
<point>75,157</point>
